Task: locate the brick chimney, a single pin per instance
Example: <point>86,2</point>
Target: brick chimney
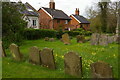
<point>52,4</point>
<point>77,11</point>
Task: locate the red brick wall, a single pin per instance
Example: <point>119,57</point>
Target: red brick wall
<point>47,23</point>
<point>44,20</point>
<point>75,24</point>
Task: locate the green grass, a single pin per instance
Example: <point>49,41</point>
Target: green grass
<point>89,53</point>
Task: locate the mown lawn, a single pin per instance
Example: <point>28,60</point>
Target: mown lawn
<point>89,53</point>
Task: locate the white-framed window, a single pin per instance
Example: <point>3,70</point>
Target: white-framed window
<point>34,22</point>
<point>66,21</point>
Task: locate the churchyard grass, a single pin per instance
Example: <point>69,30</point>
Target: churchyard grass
<point>89,53</point>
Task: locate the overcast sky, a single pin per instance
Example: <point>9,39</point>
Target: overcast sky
<point>68,6</point>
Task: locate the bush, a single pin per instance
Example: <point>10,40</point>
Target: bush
<point>59,34</point>
<point>12,25</point>
<point>79,31</point>
<point>32,34</point>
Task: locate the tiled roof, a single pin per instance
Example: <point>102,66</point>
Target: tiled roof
<point>81,19</point>
<point>57,14</point>
<point>24,9</point>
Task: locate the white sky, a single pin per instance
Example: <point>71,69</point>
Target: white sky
<point>68,6</point>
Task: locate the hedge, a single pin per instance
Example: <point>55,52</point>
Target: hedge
<point>32,34</point>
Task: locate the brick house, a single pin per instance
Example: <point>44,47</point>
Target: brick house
<point>79,21</point>
<point>51,18</point>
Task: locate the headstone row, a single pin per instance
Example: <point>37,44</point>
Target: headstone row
<point>103,39</point>
<point>43,57</point>
<point>73,66</point>
<point>72,62</point>
<point>49,39</point>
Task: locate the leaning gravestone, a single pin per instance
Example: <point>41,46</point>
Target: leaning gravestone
<point>73,64</point>
<point>101,70</point>
<point>95,39</point>
<point>14,49</point>
<point>80,39</point>
<point>34,56</point>
<point>2,53</point>
<point>47,58</point>
<point>103,40</point>
<point>65,38</point>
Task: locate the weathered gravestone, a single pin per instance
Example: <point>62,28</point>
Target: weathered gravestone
<point>103,40</point>
<point>80,39</point>
<point>117,39</point>
<point>47,58</point>
<point>66,38</point>
<point>2,51</point>
<point>34,56</point>
<point>73,64</point>
<point>110,39</point>
<point>14,49</point>
<point>51,39</point>
<point>95,39</point>
<point>46,39</point>
<point>101,70</point>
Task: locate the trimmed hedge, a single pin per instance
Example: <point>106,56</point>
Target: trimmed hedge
<point>79,32</point>
<point>32,34</point>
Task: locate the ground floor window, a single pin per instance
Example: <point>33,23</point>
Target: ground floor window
<point>66,21</point>
<point>34,22</point>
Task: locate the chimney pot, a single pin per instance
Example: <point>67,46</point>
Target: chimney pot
<point>77,11</point>
<point>52,4</point>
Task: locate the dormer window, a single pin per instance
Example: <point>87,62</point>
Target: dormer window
<point>29,9</point>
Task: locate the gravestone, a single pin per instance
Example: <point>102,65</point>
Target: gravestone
<point>34,56</point>
<point>80,39</point>
<point>46,39</point>
<point>51,39</point>
<point>101,70</point>
<point>103,40</point>
<point>73,64</point>
<point>110,39</point>
<point>117,38</point>
<point>95,39</point>
<point>14,49</point>
<point>2,53</point>
<point>47,58</point>
<point>66,38</point>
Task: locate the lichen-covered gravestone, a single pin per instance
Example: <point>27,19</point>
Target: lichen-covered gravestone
<point>103,40</point>
<point>34,56</point>
<point>80,39</point>
<point>66,38</point>
<point>73,64</point>
<point>101,70</point>
<point>95,39</point>
<point>47,58</point>
<point>14,49</point>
